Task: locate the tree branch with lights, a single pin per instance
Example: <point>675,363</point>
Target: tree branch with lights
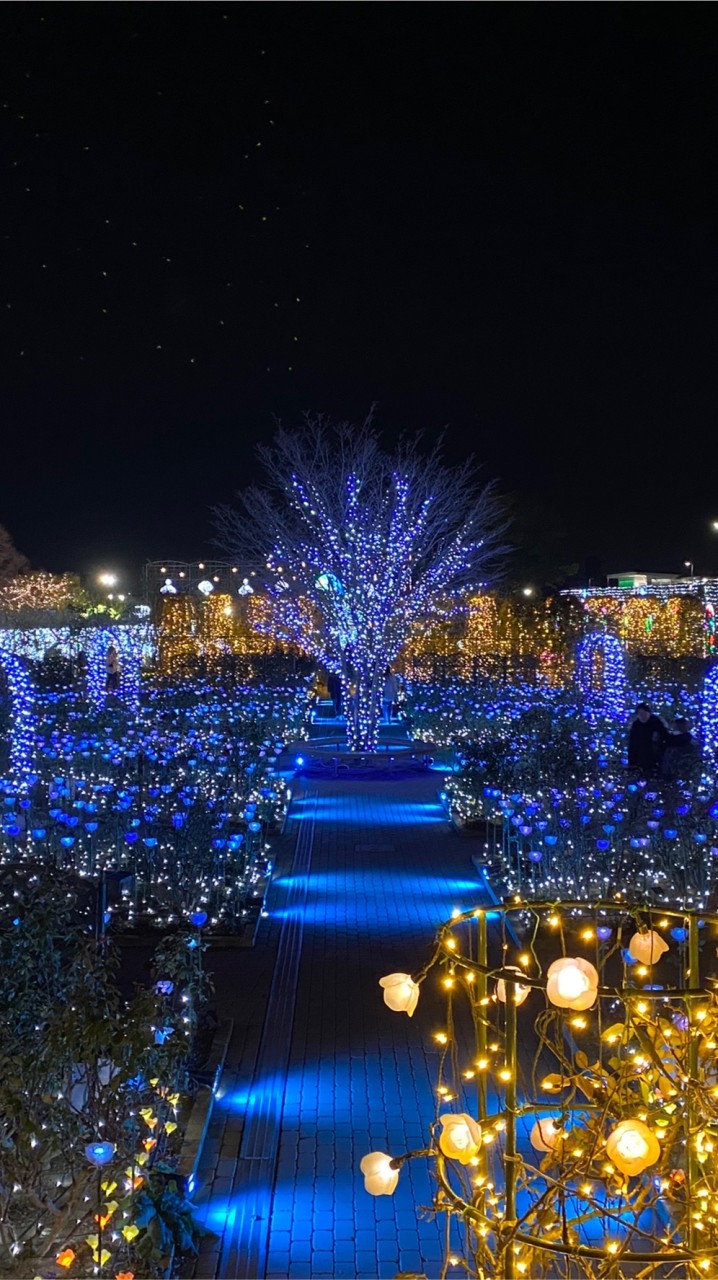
<point>357,548</point>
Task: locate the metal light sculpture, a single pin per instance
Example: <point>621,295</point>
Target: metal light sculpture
<point>602,1169</point>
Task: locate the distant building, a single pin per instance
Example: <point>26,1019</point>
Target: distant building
<point>630,579</point>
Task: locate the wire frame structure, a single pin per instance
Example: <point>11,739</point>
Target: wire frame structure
<point>576,1112</point>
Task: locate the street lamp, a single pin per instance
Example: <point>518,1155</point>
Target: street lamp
<point>107,579</point>
<point>689,565</point>
<point>527,591</point>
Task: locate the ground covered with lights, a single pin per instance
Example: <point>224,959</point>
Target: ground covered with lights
<point>144,836</point>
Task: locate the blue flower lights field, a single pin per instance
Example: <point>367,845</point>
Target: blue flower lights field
<point>166,796</point>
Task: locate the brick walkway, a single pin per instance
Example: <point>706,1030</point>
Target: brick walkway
<point>357,897</point>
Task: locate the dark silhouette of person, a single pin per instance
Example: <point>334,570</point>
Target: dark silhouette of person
<point>334,685</point>
<point>647,740</point>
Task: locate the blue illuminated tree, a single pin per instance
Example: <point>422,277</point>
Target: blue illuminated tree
<point>358,548</point>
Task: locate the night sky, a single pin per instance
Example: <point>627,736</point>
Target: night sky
<point>498,219</point>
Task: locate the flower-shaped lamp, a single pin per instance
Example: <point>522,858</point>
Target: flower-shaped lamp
<point>647,947</point>
<point>401,993</point>
<point>520,990</point>
<point>460,1137</point>
<point>380,1178</point>
<point>632,1147</point>
<point>572,983</point>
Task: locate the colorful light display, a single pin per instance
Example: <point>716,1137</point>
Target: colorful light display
<point>372,545</point>
<point>617,1177</point>
<point>168,809</point>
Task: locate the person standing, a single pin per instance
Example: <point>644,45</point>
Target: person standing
<point>334,685</point>
<point>112,670</point>
<point>647,740</point>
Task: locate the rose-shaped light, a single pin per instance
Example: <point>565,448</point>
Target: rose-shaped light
<point>647,947</point>
<point>401,993</point>
<point>546,1134</point>
<point>520,991</point>
<point>460,1137</point>
<point>632,1147</point>
<point>572,983</point>
<point>99,1153</point>
<point>379,1177</point>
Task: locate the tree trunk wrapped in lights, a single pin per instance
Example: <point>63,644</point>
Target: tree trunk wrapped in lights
<point>357,548</point>
<point>602,1167</point>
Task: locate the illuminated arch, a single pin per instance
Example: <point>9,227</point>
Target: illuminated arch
<point>601,672</point>
<point>21,692</point>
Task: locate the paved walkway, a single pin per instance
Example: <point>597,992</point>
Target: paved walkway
<point>320,1071</point>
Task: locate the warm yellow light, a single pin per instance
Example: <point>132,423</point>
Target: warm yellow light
<point>633,1147</point>
<point>524,959</point>
<point>572,983</point>
<point>647,946</point>
<point>505,1074</point>
<point>441,1037</point>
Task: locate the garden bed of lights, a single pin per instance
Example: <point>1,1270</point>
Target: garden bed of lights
<point>564,815</point>
<point>162,806</point>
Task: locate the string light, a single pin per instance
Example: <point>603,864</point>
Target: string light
<point>606,1165</point>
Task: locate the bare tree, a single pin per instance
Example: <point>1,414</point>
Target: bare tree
<point>11,560</point>
<point>357,548</point>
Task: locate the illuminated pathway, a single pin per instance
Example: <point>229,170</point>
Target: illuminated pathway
<point>369,870</point>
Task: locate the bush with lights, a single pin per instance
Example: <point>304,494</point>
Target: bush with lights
<point>93,1089</point>
<point>577,1096</point>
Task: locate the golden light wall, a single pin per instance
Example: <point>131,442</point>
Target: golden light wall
<point>211,630</point>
